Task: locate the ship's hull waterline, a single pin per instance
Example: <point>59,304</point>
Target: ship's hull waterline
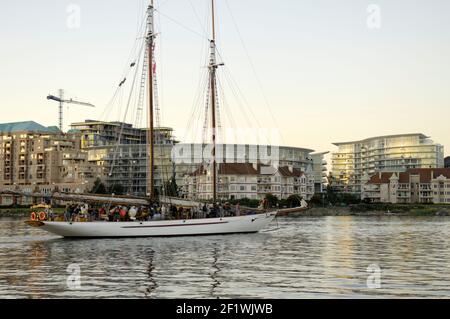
<point>161,228</point>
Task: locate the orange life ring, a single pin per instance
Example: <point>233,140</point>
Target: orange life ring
<point>42,216</point>
<point>33,216</point>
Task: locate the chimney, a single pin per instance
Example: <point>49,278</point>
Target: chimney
<point>291,168</point>
<point>379,175</point>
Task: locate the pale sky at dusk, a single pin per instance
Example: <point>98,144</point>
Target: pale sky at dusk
<point>326,75</point>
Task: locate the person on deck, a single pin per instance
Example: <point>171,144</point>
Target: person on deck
<point>238,209</point>
<point>163,211</point>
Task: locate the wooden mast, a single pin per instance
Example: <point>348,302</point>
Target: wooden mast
<point>150,134</point>
<point>212,78</point>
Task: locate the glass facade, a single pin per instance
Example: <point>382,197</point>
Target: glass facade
<point>394,153</point>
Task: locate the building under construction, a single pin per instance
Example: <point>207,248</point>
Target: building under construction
<point>121,151</point>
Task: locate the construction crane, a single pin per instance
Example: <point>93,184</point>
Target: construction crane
<point>61,101</point>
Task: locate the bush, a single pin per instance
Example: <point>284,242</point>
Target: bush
<point>99,187</point>
<point>272,199</point>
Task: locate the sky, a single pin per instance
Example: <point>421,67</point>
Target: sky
<point>317,71</point>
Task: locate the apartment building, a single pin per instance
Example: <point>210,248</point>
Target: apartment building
<point>245,180</point>
<point>189,156</point>
<point>35,158</point>
<point>423,185</point>
<point>120,151</point>
<point>319,169</point>
<point>125,161</point>
<point>393,153</point>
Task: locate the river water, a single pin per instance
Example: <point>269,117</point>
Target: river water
<point>309,257</point>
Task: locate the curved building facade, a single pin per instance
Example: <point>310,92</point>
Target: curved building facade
<point>391,153</point>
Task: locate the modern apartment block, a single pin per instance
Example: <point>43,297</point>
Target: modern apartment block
<point>128,164</point>
<point>35,158</point>
<point>100,133</point>
<point>392,153</point>
<point>319,170</point>
<point>423,185</point>
<point>253,181</point>
<point>121,153</point>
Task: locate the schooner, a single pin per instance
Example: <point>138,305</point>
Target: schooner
<point>182,227</point>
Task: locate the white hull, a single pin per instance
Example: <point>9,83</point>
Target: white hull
<point>189,227</point>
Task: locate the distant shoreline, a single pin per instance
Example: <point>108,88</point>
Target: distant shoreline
<point>357,210</point>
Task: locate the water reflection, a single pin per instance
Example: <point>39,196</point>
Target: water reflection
<point>307,257</point>
<point>215,271</point>
<point>152,284</point>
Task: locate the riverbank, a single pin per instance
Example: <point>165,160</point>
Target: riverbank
<point>377,210</point>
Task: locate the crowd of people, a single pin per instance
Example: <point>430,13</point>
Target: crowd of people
<point>155,211</point>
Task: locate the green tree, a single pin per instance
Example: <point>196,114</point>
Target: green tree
<point>116,189</point>
<point>272,199</point>
<point>331,195</point>
<point>99,187</point>
<point>171,188</point>
<point>293,201</point>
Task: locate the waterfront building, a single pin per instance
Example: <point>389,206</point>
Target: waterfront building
<point>252,181</point>
<point>126,162</point>
<point>392,153</point>
<point>35,158</point>
<point>101,133</point>
<point>423,185</point>
<point>120,151</point>
<point>319,170</point>
<point>189,156</point>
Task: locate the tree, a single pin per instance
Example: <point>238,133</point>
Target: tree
<point>348,199</point>
<point>171,187</point>
<point>272,199</point>
<point>247,202</point>
<point>293,201</point>
<point>331,195</point>
<point>116,189</point>
<point>99,187</point>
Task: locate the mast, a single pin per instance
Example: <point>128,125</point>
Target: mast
<point>150,134</point>
<point>212,82</point>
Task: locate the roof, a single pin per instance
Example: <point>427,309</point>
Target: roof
<point>383,136</point>
<point>425,175</point>
<point>230,169</point>
<point>27,126</point>
<point>237,169</point>
<point>287,172</point>
<point>380,178</point>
